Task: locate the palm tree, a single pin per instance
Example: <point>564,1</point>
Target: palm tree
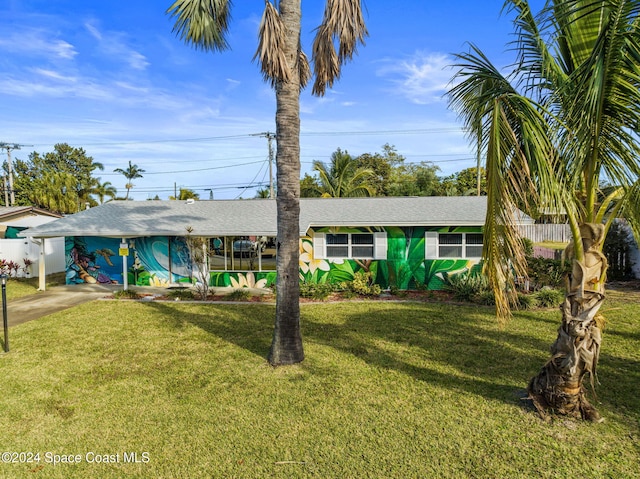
<point>186,194</point>
<point>131,173</point>
<point>568,121</point>
<point>343,177</point>
<point>104,190</point>
<point>204,24</point>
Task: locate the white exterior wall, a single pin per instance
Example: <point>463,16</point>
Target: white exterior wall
<point>17,249</point>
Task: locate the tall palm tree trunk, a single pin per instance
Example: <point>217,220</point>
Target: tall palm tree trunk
<point>559,386</point>
<point>286,347</point>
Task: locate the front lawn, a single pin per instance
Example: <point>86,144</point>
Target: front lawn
<point>387,390</point>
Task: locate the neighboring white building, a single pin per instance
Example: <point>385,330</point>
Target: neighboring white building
<point>13,247</point>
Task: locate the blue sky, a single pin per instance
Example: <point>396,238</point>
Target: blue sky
<point>112,78</point>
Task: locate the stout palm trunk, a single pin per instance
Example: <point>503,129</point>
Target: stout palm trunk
<point>286,347</point>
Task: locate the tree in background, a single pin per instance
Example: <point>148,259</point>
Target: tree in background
<point>204,24</point>
<point>186,194</point>
<point>465,183</point>
<point>569,121</point>
<point>104,190</point>
<point>61,180</point>
<point>130,173</point>
<point>415,179</point>
<point>343,177</point>
<point>382,166</point>
<point>263,193</point>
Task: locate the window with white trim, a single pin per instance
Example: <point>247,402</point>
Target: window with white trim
<point>350,245</point>
<point>453,245</point>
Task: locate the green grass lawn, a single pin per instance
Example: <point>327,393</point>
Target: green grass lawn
<point>19,287</point>
<point>387,390</point>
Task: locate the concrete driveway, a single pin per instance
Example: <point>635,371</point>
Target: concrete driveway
<point>54,299</point>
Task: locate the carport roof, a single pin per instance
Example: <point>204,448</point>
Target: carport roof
<point>128,219</point>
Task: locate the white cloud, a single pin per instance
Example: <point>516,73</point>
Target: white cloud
<point>422,79</point>
<point>115,46</point>
<point>37,43</point>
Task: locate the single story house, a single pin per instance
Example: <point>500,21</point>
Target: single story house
<point>405,242</point>
<point>23,252</point>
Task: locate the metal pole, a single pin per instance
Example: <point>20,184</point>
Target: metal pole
<point>270,137</point>
<point>4,312</point>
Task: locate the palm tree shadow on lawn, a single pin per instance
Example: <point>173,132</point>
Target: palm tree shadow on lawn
<point>457,352</point>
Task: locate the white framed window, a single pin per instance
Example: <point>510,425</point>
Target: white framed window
<point>453,245</point>
<point>350,245</point>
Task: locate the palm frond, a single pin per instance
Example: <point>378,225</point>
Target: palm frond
<point>304,70</point>
<point>326,64</point>
<point>271,47</point>
<point>202,23</point>
<point>512,132</point>
<point>344,21</point>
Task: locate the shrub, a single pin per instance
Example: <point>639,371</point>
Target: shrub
<point>241,294</point>
<point>468,286</point>
<point>548,297</point>
<point>617,248</point>
<point>527,301</point>
<point>126,294</point>
<point>485,297</point>
<point>362,284</point>
<point>181,293</point>
<point>546,272</point>
<point>316,290</point>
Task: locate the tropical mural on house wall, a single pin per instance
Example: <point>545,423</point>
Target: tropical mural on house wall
<point>405,267</point>
<point>160,261</point>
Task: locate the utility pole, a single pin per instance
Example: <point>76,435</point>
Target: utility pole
<point>270,137</point>
<point>9,147</point>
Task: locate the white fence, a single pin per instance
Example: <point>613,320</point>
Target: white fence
<point>540,233</point>
<point>17,250</point>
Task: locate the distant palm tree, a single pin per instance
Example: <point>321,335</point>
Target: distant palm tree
<point>204,24</point>
<point>131,173</point>
<point>343,177</point>
<point>104,190</point>
<point>569,122</point>
<point>186,194</point>
<point>263,193</point>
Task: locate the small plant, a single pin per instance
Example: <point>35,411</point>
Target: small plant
<point>181,294</point>
<point>362,285</point>
<point>241,294</point>
<point>126,294</point>
<point>27,266</point>
<point>549,297</point>
<point>317,291</point>
<point>485,297</point>
<point>527,301</point>
<point>468,286</point>
<point>546,272</point>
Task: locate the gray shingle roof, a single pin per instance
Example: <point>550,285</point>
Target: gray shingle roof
<point>126,219</point>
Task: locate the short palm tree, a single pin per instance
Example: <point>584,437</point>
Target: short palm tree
<point>130,173</point>
<point>565,122</point>
<point>343,177</point>
<point>204,24</point>
<point>104,190</point>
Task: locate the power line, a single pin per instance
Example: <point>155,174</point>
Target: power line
<point>250,135</point>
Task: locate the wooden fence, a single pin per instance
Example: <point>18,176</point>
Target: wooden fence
<point>550,232</point>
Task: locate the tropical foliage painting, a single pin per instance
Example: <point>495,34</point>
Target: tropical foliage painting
<point>405,267</point>
<point>160,261</point>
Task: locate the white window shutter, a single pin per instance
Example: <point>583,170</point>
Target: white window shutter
<point>318,246</point>
<point>380,245</point>
<point>431,245</point>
